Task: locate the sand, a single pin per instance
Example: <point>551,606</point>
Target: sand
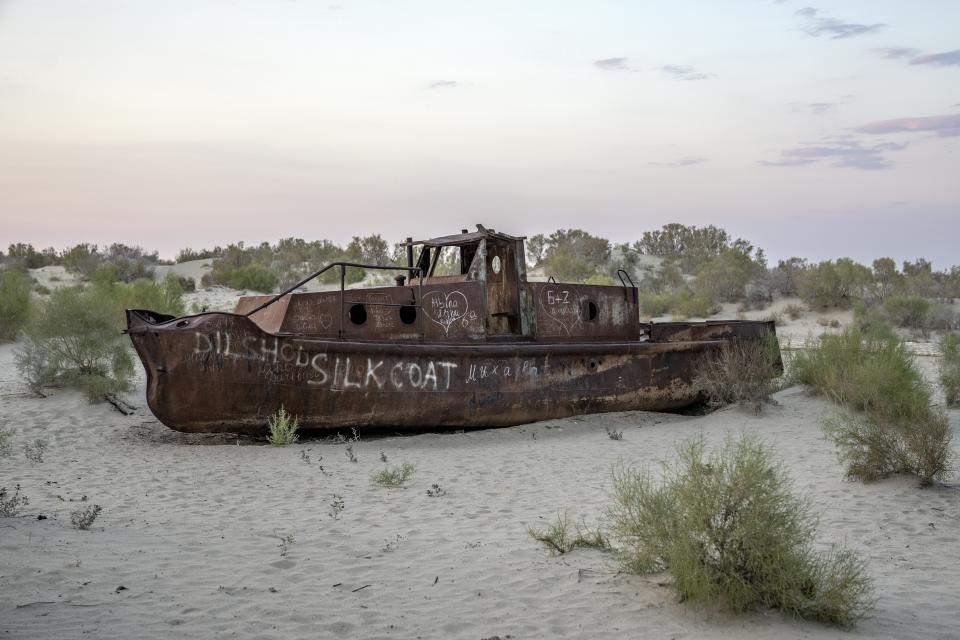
<point>190,540</point>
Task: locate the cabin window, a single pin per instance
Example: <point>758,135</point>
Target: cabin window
<point>408,314</point>
<point>495,264</point>
<point>590,311</point>
<point>358,314</point>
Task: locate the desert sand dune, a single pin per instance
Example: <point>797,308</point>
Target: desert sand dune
<point>192,529</point>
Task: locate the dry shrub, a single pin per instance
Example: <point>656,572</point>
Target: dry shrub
<point>729,530</point>
<point>743,371</point>
<point>795,311</point>
<point>872,449</point>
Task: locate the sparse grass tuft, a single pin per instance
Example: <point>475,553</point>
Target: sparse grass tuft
<point>83,518</point>
<point>6,448</point>
<point>742,371</point>
<point>34,450</point>
<point>614,434</point>
<point>11,503</point>
<point>283,428</point>
<point>393,477</point>
<point>558,540</point>
<point>729,530</point>
<point>556,537</point>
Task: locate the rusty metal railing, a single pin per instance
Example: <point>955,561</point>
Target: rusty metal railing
<point>414,271</point>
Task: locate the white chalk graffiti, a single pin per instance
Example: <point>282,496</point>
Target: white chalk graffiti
<point>315,368</point>
<point>445,309</point>
<point>561,304</point>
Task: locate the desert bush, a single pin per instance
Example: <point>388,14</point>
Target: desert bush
<point>72,339</point>
<point>872,373</point>
<point>254,277</point>
<point>614,434</point>
<point>724,277</point>
<point>394,476</point>
<point>11,503</point>
<point>83,518</point>
<point>795,311</point>
<point>910,312</point>
<point>742,371</point>
<point>15,301</point>
<point>282,428</point>
<point>833,284</point>
<point>436,491</point>
<point>950,368</point>
<point>679,302</point>
<point>729,530</point>
<point>873,449</point>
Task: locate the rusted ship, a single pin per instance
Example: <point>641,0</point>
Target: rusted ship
<point>482,347</point>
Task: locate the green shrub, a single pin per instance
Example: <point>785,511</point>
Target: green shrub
<point>282,428</point>
<point>73,340</point>
<point>950,368</point>
<point>681,303</point>
<point>255,277</point>
<point>869,372</point>
<point>898,431</point>
<point>15,302</point>
<point>833,284</point>
<point>394,476</point>
<point>729,530</point>
<point>742,371</point>
<point>909,312</point>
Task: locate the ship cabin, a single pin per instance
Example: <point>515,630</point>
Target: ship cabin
<point>467,288</point>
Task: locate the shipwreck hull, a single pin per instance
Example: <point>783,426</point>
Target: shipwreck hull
<point>220,372</point>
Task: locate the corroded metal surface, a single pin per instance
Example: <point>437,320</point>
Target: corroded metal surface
<point>480,348</point>
<point>222,372</point>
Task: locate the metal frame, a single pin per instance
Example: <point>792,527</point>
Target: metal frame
<point>414,271</point>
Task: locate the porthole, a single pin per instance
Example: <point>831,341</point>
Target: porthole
<point>590,311</point>
<point>358,314</point>
<point>495,264</point>
<point>408,314</point>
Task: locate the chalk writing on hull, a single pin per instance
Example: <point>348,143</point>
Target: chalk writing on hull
<point>281,362</point>
<point>446,309</point>
<point>561,304</point>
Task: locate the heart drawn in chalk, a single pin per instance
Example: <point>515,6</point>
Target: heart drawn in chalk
<point>445,309</point>
<point>562,305</point>
<point>326,320</point>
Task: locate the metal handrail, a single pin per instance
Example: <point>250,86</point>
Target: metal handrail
<point>343,273</point>
<point>620,274</point>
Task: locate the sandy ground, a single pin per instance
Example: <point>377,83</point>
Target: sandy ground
<point>189,543</point>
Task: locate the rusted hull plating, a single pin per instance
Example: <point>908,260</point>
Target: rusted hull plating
<point>221,372</point>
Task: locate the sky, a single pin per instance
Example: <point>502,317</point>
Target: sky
<point>819,130</point>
